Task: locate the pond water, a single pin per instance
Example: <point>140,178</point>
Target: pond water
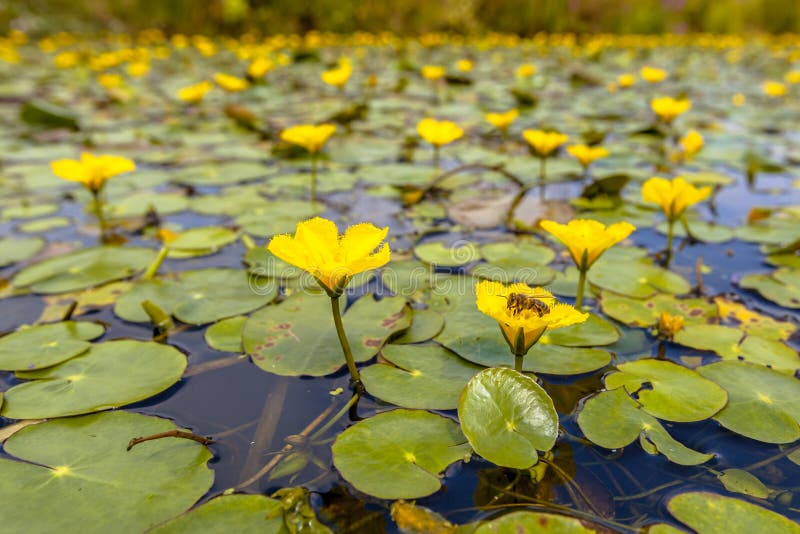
<point>256,186</point>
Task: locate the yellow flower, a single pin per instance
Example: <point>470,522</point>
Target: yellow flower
<point>652,74</point>
<point>92,171</point>
<point>626,80</point>
<point>526,70</point>
<point>110,81</point>
<point>612,87</point>
<point>194,94</point>
<point>259,67</point>
<point>738,99</point>
<point>774,89</point>
<point>669,325</point>
<point>232,84</point>
<point>332,259</point>
<point>439,133</point>
<point>502,121</point>
<point>338,76</point>
<point>587,154</point>
<point>66,60</point>
<point>586,239</point>
<point>668,108</point>
<point>674,196</point>
<point>309,136</point>
<point>544,143</point>
<point>792,77</point>
<point>691,143</point>
<point>464,65</point>
<point>524,313</point>
<point>138,69</point>
<point>432,72</point>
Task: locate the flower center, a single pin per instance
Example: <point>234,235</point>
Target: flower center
<point>518,303</point>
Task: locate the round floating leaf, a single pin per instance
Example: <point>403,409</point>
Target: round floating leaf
<point>399,454</point>
<point>781,287</point>
<point>744,482</point>
<point>525,253</point>
<point>14,249</point>
<point>753,322</point>
<point>226,335</point>
<point>507,417</point>
<point>539,522</point>
<point>557,360</point>
<point>613,420</point>
<point>139,204</point>
<point>710,513</point>
<point>84,268</point>
<point>200,241</point>
<point>45,345</point>
<point>221,173</point>
<point>639,280</point>
<point>708,232</point>
<point>427,376</point>
<point>198,297</point>
<point>275,218</point>
<point>108,375</point>
<point>762,404</point>
<point>668,391</point>
<point>645,312</point>
<point>438,254</point>
<point>76,471</point>
<point>298,337</point>
<point>591,333</point>
<point>510,271</point>
<point>723,340</point>
<point>43,225</point>
<point>425,324</point>
<point>240,513</point>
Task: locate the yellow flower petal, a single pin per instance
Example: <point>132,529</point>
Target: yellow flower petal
<point>673,196</point>
<point>586,239</point>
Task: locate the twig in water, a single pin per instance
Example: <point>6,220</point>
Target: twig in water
<point>170,434</point>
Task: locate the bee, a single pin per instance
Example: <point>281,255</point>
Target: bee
<point>516,302</point>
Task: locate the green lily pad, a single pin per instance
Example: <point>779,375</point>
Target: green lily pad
<point>507,417</point>
<point>727,342</point>
<point>645,312</point>
<point>84,268</point>
<point>612,419</point>
<point>200,241</point>
<point>198,297</point>
<point>744,482</point>
<point>781,286</point>
<point>298,337</point>
<point>668,391</point>
<point>525,253</point>
<point>45,345</point>
<point>638,280</point>
<point>428,376</point>
<point>593,332</point>
<point>14,249</point>
<point>226,335</point>
<point>43,225</point>
<point>425,324</point>
<point>710,513</point>
<point>74,471</point>
<point>507,271</point>
<point>108,375</point>
<point>221,173</point>
<point>275,218</point>
<point>557,360</point>
<point>399,454</point>
<point>762,404</point>
<point>240,513</point>
<point>707,232</point>
<point>438,254</point>
<point>753,322</point>
<point>140,203</point>
<point>539,522</point>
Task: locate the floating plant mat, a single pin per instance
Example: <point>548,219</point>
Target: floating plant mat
<point>673,407</point>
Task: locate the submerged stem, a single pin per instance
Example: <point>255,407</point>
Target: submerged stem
<point>542,176</point>
<point>348,354</point>
<point>670,234</point>
<point>581,286</point>
<point>435,156</point>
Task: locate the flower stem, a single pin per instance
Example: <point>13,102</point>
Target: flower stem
<point>97,207</point>
<point>670,233</point>
<point>348,354</point>
<point>435,156</point>
<point>152,270</point>
<point>581,286</point>
<point>313,178</point>
<point>542,176</point>
<point>518,362</point>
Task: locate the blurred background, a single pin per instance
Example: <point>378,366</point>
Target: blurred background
<point>523,17</point>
